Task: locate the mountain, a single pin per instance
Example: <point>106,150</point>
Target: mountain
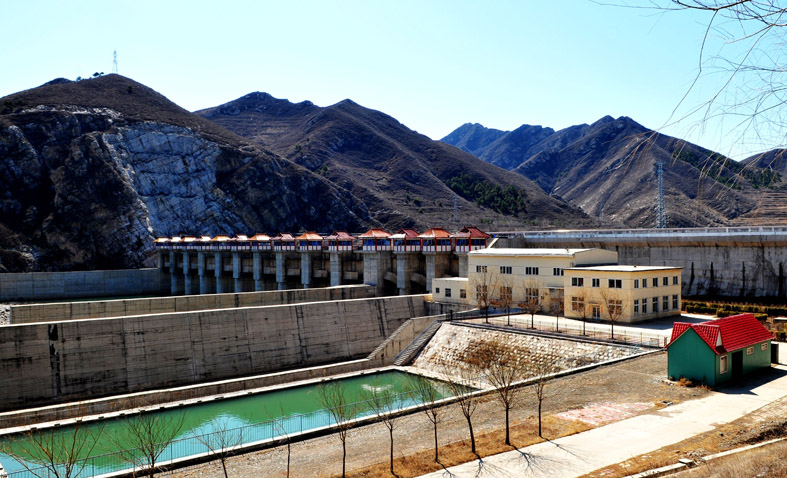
<point>608,169</point>
<point>473,138</point>
<point>774,160</point>
<point>91,171</point>
<point>405,178</point>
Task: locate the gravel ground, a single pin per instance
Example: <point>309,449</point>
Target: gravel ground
<point>639,380</point>
<point>5,313</point>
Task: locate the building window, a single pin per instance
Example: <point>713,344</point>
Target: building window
<point>505,269</point>
<point>615,308</point>
<point>665,303</point>
<point>578,304</point>
<point>506,294</point>
<point>655,303</point>
<point>636,283</point>
<point>481,291</point>
<point>636,306</point>
<point>577,282</point>
<point>644,283</point>
<point>447,292</point>
<point>675,280</point>
<point>437,290</point>
<point>675,302</point>
<point>723,364</point>
<point>531,294</point>
<point>749,350</point>
<point>665,281</point>
<point>462,293</point>
<point>557,271</point>
<point>480,269</point>
<point>595,282</point>
<point>531,271</point>
<point>655,282</point>
<point>644,305</point>
<point>764,346</point>
<point>596,312</point>
<point>615,284</point>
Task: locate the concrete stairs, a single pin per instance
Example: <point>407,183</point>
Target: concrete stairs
<point>406,356</point>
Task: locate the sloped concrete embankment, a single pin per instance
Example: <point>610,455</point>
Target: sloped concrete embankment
<point>30,313</point>
<point>55,362</point>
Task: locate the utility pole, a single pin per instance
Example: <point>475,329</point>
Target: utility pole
<point>662,221</point>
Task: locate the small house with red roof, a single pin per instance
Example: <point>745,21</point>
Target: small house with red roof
<point>309,241</point>
<point>284,241</point>
<point>339,241</point>
<point>718,351</point>
<point>470,238</point>
<point>406,240</point>
<point>436,239</point>
<point>376,239</point>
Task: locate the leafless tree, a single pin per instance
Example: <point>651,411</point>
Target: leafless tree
<point>580,305</point>
<point>384,404</point>
<point>466,400</point>
<point>531,298</point>
<point>500,366</point>
<point>483,284</point>
<point>58,453</point>
<point>615,303</point>
<point>144,437</point>
<point>333,397</point>
<point>556,307</point>
<point>280,425</point>
<point>424,392</point>
<point>543,371</point>
<point>505,296</point>
<point>222,441</point>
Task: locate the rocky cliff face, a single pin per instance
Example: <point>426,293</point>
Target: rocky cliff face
<point>89,187</point>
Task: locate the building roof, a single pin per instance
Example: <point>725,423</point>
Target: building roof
<point>405,234</point>
<point>161,239</point>
<point>221,238</point>
<point>435,233</point>
<point>283,236</point>
<point>339,236</point>
<point>452,279</point>
<point>623,268</point>
<point>260,237</point>
<point>189,239</point>
<point>528,252</point>
<point>472,232</point>
<point>204,239</point>
<point>241,237</point>
<point>309,236</point>
<point>726,335</point>
<point>375,233</point>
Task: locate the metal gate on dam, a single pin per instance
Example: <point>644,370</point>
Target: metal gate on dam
<point>727,261</point>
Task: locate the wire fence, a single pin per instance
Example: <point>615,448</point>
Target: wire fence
<point>212,443</point>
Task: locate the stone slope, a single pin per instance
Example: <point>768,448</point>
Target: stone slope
<point>86,186</point>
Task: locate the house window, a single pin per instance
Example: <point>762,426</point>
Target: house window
<point>481,291</point>
<point>447,292</point>
<point>577,282</point>
<point>615,308</point>
<point>462,293</point>
<point>636,306</point>
<point>655,303</point>
<point>644,283</point>
<point>557,271</point>
<point>578,304</point>
<point>615,284</point>
<point>505,269</point>
<point>655,282</point>
<point>506,294</point>
<point>531,271</point>
<point>675,302</point>
<point>665,280</point>
<point>665,303</point>
<point>764,346</point>
<point>595,282</point>
<point>636,283</point>
<point>675,280</point>
<point>437,290</point>
<point>644,305</point>
<point>531,294</point>
<point>480,269</point>
<point>749,350</point>
<point>723,364</point>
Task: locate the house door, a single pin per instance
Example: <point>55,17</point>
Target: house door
<point>596,313</point>
<point>737,364</point>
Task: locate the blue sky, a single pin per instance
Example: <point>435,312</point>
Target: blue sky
<point>433,65</point>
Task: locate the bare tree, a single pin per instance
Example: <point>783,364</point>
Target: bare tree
<point>531,298</point>
<point>500,366</point>
<point>58,453</point>
<point>144,437</point>
<point>333,398</point>
<point>615,303</point>
<point>544,371</point>
<point>280,425</point>
<point>483,284</point>
<point>467,401</point>
<point>580,305</point>
<point>505,295</point>
<point>384,404</point>
<point>424,392</point>
<point>222,441</point>
<point>556,307</point>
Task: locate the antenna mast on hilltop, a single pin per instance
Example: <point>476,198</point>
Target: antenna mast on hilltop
<point>662,221</point>
<point>115,61</point>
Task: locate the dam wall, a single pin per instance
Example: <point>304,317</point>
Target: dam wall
<point>74,285</point>
<point>29,313</point>
<point>52,362</point>
<point>733,262</point>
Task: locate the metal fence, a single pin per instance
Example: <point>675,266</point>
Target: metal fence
<point>244,436</point>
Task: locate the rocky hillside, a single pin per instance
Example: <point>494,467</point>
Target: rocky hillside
<point>405,179</point>
<point>608,169</point>
<point>91,171</point>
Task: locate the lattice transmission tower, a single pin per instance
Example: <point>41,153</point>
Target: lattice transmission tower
<point>662,220</point>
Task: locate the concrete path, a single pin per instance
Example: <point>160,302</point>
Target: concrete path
<point>584,452</point>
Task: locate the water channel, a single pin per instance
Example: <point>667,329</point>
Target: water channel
<point>246,419</point>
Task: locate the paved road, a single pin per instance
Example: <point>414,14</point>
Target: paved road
<point>584,452</point>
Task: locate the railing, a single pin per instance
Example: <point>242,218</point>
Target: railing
<point>617,233</point>
<point>247,435</point>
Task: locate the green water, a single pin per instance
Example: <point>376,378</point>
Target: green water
<point>247,419</point>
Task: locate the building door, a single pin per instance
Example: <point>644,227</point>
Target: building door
<point>737,364</point>
<point>596,312</point>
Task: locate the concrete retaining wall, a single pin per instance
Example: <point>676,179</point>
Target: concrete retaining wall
<point>386,352</point>
<point>65,285</point>
<point>25,314</point>
<point>53,362</point>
